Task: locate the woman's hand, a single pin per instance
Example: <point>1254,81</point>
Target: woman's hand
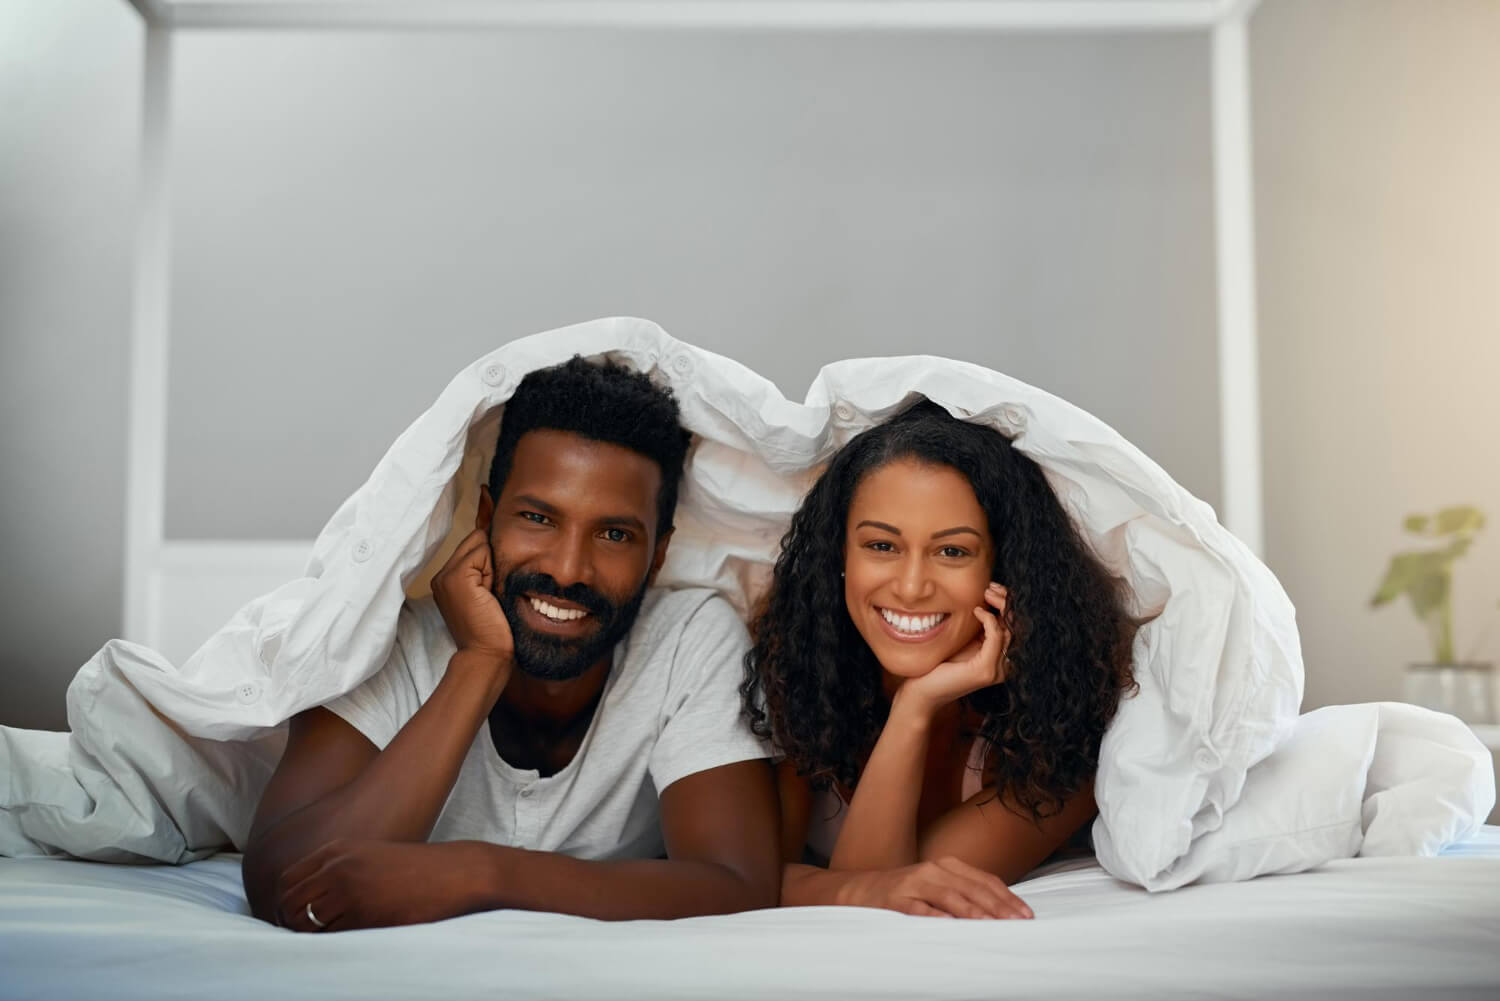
<point>946,888</point>
<point>463,592</point>
<point>978,665</point>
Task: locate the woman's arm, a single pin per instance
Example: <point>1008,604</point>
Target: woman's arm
<point>947,887</point>
<point>942,887</point>
<point>990,832</point>
<point>880,831</point>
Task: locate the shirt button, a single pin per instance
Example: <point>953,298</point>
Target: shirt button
<point>1204,759</point>
<point>494,374</point>
<point>363,550</point>
<point>247,693</point>
<point>526,793</point>
<point>682,365</point>
<point>843,412</point>
<point>1014,417</point>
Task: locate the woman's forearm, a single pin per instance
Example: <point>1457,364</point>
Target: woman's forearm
<point>880,831</point>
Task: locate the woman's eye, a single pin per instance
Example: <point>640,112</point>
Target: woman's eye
<point>953,552</point>
<point>881,546</point>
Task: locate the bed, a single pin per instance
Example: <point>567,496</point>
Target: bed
<point>1365,927</point>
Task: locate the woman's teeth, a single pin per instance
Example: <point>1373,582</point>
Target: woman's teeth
<point>913,624</point>
<point>557,614</point>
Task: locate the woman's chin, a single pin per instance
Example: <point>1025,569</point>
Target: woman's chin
<point>906,666</point>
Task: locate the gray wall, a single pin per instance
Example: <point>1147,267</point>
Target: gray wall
<point>69,99</point>
<point>359,215</point>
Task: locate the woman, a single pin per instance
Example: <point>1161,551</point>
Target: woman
<point>938,656</point>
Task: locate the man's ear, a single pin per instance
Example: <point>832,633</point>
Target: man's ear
<point>486,512</point>
<point>660,556</point>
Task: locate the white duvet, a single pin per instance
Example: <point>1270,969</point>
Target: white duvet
<point>1206,774</point>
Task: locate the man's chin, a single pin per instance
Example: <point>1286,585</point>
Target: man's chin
<point>545,659</point>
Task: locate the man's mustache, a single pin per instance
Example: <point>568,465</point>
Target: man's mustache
<point>519,584</point>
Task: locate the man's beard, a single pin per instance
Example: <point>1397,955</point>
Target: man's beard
<point>551,658</point>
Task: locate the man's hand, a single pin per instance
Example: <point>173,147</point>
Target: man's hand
<point>371,884</point>
<point>946,888</point>
<point>463,590</point>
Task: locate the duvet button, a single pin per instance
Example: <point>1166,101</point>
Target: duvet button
<point>247,693</point>
<point>843,412</point>
<point>494,374</point>
<point>1204,759</point>
<point>363,550</point>
<point>1014,417</point>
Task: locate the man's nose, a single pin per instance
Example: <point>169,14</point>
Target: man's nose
<point>567,560</point>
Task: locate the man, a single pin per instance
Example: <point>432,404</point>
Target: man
<point>548,725</point>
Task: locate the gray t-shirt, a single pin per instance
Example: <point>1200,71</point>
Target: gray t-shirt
<point>670,708</point>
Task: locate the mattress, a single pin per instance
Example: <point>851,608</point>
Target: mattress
<point>1364,927</point>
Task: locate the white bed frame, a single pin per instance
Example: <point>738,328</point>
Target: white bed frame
<point>177,592</point>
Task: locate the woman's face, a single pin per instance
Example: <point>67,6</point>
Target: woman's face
<point>917,558</point>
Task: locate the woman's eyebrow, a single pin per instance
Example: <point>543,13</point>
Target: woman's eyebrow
<point>960,530</point>
<point>880,525</point>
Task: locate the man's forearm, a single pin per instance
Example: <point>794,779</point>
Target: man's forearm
<point>398,796</point>
<point>609,890</point>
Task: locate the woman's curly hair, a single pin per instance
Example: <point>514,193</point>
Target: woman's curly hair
<point>813,686</point>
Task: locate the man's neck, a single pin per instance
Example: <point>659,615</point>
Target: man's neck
<point>539,724</point>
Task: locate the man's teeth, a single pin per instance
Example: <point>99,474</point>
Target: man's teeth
<point>557,614</point>
<point>913,624</point>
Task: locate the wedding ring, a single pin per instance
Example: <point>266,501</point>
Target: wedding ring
<point>314,918</point>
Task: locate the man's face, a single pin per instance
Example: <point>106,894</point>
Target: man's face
<point>574,541</point>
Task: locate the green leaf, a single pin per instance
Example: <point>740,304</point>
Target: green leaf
<point>1415,523</point>
<point>1398,578</point>
<point>1429,588</point>
<point>1461,519</point>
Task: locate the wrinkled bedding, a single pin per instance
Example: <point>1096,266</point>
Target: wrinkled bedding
<point>1368,928</point>
<point>165,762</point>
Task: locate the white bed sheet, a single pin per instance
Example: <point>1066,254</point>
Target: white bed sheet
<point>1365,927</point>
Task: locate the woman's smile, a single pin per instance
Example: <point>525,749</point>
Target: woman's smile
<point>913,627</point>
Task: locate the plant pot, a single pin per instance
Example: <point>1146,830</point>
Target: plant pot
<point>1466,690</point>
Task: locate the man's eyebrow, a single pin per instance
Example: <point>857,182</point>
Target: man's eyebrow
<point>880,525</point>
<point>960,530</point>
<point>624,521</point>
<point>531,500</point>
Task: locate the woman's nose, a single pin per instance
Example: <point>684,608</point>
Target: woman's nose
<point>913,583</point>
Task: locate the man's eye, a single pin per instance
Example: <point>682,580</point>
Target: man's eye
<point>616,535</point>
<point>535,517</point>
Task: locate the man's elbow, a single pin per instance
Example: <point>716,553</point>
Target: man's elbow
<point>262,869</point>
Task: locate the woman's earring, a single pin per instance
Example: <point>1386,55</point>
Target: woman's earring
<point>841,574</point>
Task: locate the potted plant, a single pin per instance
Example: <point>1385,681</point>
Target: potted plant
<point>1464,688</point>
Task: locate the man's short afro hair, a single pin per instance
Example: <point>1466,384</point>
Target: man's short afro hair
<point>605,402</point>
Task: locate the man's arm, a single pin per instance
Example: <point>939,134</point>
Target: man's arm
<point>720,830</point>
<point>332,783</point>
